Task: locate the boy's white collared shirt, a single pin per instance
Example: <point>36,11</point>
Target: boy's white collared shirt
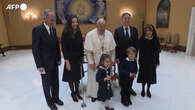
<point>129,59</point>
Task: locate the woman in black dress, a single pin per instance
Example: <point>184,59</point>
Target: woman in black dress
<point>72,48</point>
<point>149,49</point>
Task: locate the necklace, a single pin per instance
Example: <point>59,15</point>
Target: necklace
<point>101,38</point>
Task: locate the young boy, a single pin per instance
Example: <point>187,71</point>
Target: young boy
<point>127,72</point>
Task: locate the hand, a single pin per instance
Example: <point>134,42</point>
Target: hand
<point>68,66</point>
<point>93,66</point>
<point>41,70</point>
<point>108,78</point>
<point>59,63</point>
<point>114,76</point>
<point>113,63</point>
<point>117,61</point>
<point>132,75</point>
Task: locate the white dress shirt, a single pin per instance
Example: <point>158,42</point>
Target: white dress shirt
<point>129,31</point>
<point>47,27</point>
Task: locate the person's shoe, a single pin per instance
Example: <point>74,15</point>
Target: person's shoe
<point>53,107</point>
<point>74,98</point>
<point>133,92</point>
<point>79,96</point>
<point>93,99</point>
<point>143,93</point>
<point>59,102</point>
<point>149,94</point>
<point>130,102</point>
<point>111,108</point>
<point>122,101</point>
<point>126,104</point>
<point>108,108</point>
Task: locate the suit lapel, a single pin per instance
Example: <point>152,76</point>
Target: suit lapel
<point>45,31</point>
<point>122,32</point>
<point>132,32</point>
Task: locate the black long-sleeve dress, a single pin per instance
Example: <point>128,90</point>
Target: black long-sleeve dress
<point>73,51</point>
<point>104,91</point>
<point>149,50</point>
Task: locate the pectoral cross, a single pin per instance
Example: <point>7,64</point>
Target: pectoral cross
<point>102,48</point>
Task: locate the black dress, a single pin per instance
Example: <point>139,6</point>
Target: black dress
<point>148,60</point>
<point>72,49</point>
<point>104,91</point>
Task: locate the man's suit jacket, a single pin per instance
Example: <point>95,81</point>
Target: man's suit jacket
<point>122,43</point>
<point>45,48</point>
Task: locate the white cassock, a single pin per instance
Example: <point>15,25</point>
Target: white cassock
<point>96,45</point>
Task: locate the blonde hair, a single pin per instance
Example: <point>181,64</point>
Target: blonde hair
<point>131,49</point>
<point>148,26</point>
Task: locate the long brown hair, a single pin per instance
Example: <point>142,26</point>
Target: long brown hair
<point>102,59</point>
<point>68,26</point>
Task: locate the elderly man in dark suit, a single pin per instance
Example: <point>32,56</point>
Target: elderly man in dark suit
<point>47,57</point>
<point>125,36</point>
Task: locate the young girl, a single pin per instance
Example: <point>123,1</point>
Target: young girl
<point>127,72</point>
<point>103,78</point>
<point>149,50</point>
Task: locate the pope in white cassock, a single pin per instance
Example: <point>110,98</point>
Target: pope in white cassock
<point>98,41</point>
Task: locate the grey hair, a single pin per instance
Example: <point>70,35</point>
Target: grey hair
<point>46,12</point>
<point>101,20</point>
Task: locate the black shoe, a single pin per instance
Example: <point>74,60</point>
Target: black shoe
<point>111,108</point>
<point>126,103</point>
<point>53,107</point>
<point>108,108</point>
<point>122,101</point>
<point>133,92</point>
<point>149,94</point>
<point>74,98</point>
<point>59,102</point>
<point>130,103</point>
<point>79,96</point>
<point>143,93</point>
<point>93,99</point>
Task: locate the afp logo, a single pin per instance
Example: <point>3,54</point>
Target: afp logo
<point>22,6</point>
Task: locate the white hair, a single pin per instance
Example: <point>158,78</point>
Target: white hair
<point>46,12</point>
<point>101,20</point>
